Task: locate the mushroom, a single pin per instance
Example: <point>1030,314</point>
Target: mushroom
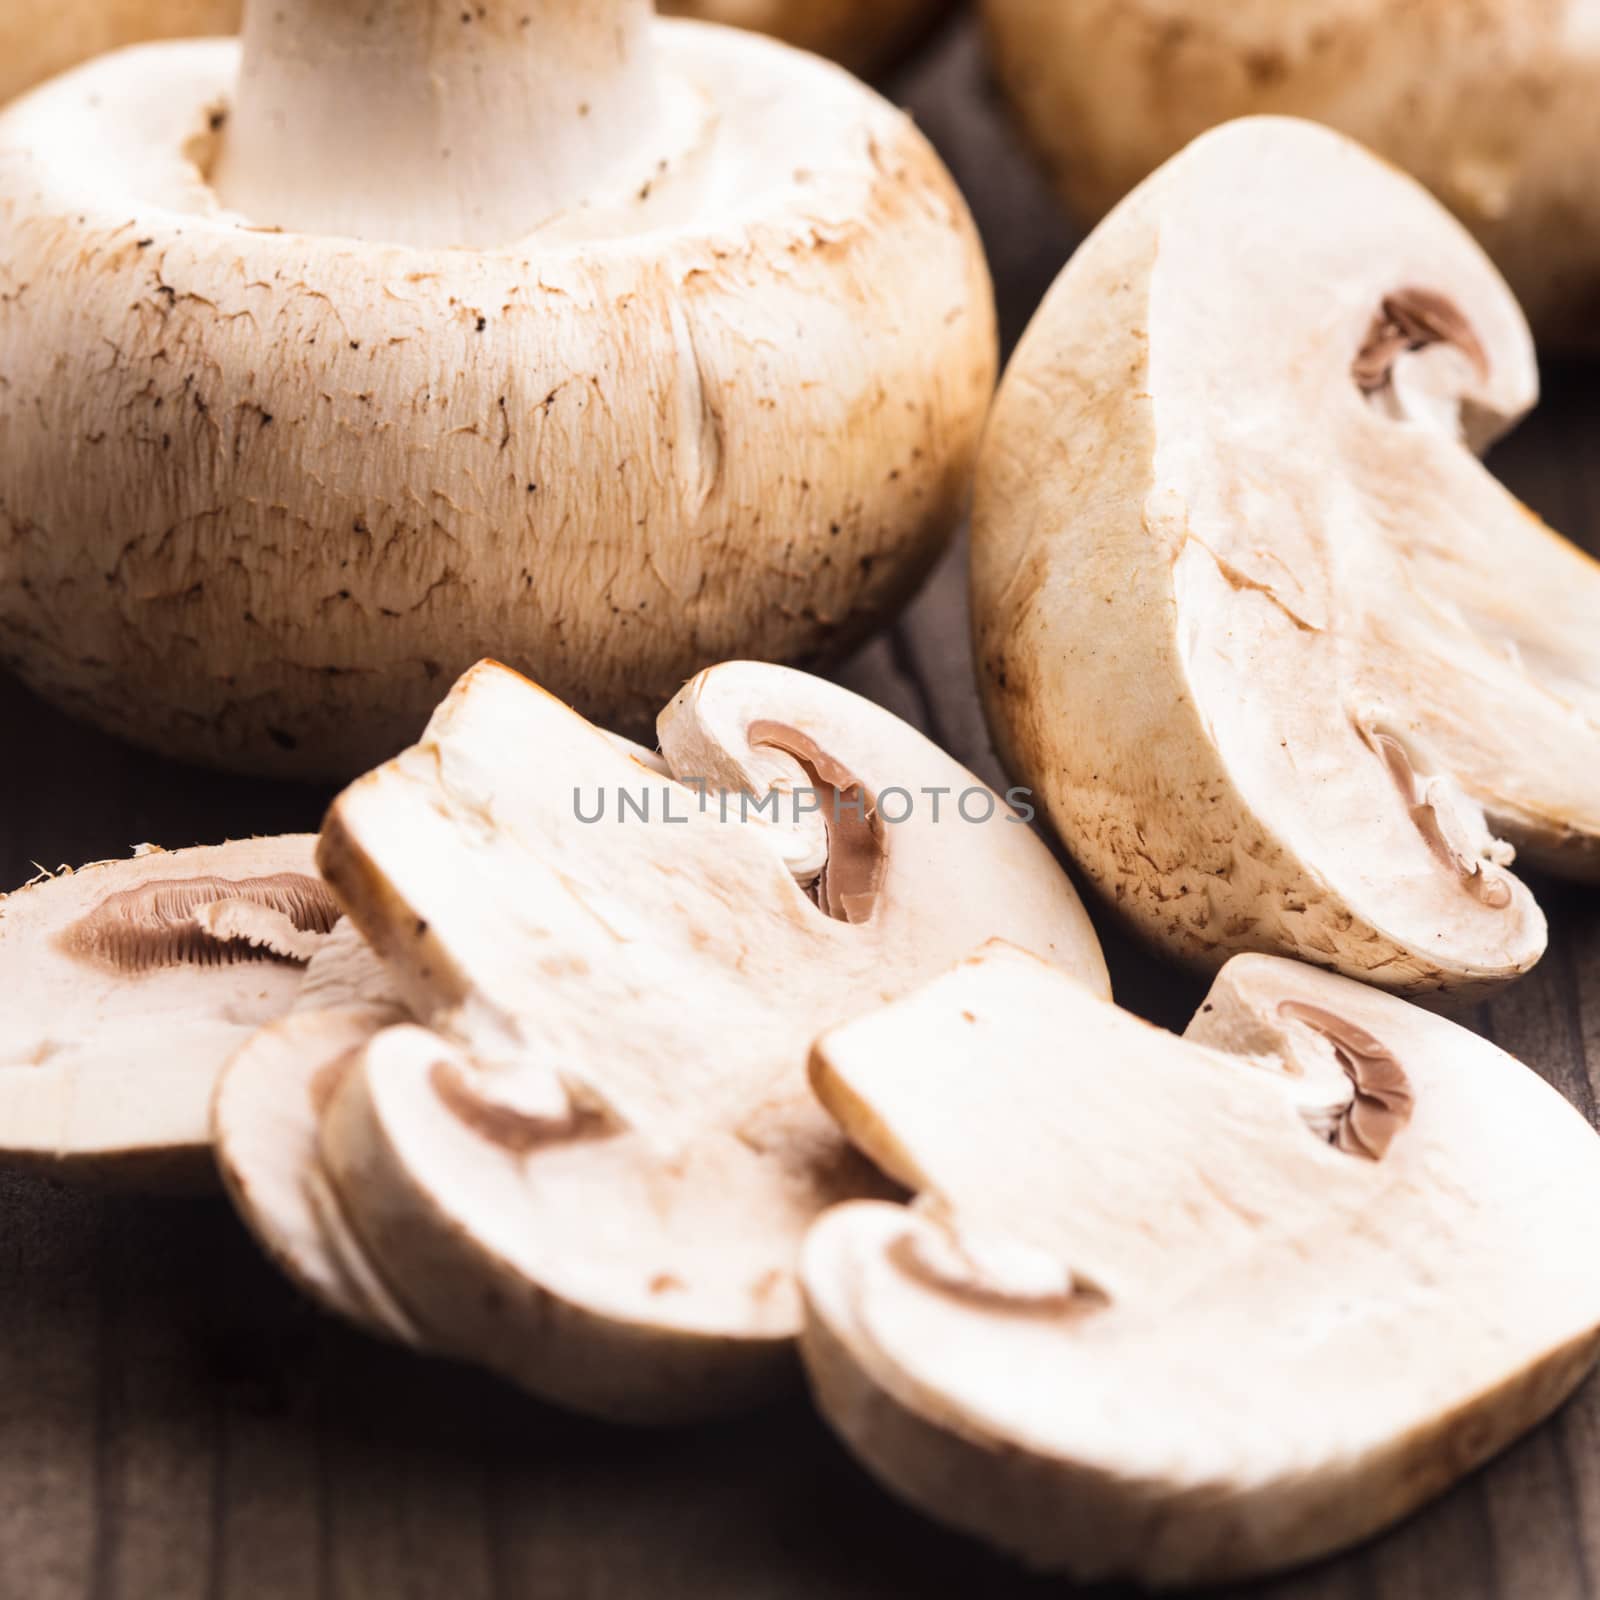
<point>1486,103</point>
<point>129,984</point>
<point>1288,668</point>
<point>591,1160</point>
<point>401,331</point>
<point>39,38</point>
<point>1191,1310</point>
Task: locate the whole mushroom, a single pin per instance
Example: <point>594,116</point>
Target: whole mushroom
<point>589,1162</point>
<point>1192,1310</point>
<point>39,38</point>
<point>1493,105</point>
<point>1288,668</point>
<point>407,330</point>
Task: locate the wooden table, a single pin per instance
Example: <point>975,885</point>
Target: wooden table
<point>175,1424</point>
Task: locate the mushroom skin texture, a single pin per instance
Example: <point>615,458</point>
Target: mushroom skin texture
<point>322,419</point>
<point>40,38</point>
<point>1287,667</point>
<point>591,1160</point>
<point>1490,105</point>
<point>128,986</point>
<point>1156,1312</point>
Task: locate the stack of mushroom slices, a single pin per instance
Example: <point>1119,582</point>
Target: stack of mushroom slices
<point>590,1159</point>
<point>1189,1310</point>
<point>1289,668</point>
<point>129,984</point>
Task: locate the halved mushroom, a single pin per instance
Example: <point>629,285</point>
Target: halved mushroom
<point>593,1166</point>
<point>1485,103</point>
<point>39,38</point>
<point>335,358</point>
<point>1190,1310</point>
<point>1289,669</point>
<point>129,984</point>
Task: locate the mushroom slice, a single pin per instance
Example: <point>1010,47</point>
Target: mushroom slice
<point>616,307</point>
<point>593,1166</point>
<point>129,984</point>
<point>265,1121</point>
<point>1290,670</point>
<point>1152,1315</point>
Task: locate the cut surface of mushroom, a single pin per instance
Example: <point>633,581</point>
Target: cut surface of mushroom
<point>265,1121</point>
<point>1485,103</point>
<point>592,1165</point>
<point>1289,668</point>
<point>129,984</point>
<point>417,328</point>
<point>1151,1316</point>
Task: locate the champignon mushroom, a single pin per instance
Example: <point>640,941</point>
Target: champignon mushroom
<point>1489,104</point>
<point>128,985</point>
<point>591,1167</point>
<point>1188,1311</point>
<point>1289,669</point>
<point>403,331</point>
<point>265,1121</point>
<point>39,38</point>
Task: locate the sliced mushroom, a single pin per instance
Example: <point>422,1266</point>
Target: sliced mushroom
<point>1485,103</point>
<point>129,984</point>
<point>1151,1316</point>
<point>339,354</point>
<point>39,38</point>
<point>265,1122</point>
<point>593,1166</point>
<point>1289,669</point>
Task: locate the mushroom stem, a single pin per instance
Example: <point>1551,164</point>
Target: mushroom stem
<point>434,122</point>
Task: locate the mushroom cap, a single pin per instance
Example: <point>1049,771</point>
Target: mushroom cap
<point>1492,105</point>
<point>266,490</point>
<point>1280,655</point>
<point>592,1165</point>
<point>1190,1310</point>
<point>129,984</point>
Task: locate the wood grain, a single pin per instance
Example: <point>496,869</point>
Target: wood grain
<point>176,1425</point>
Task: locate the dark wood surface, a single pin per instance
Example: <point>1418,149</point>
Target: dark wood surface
<point>176,1425</point>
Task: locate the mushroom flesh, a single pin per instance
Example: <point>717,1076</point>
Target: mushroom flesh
<point>1191,1310</point>
<point>1290,670</point>
<point>129,984</point>
<point>590,1161</point>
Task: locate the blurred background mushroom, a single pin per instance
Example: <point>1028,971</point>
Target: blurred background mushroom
<point>1493,105</point>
